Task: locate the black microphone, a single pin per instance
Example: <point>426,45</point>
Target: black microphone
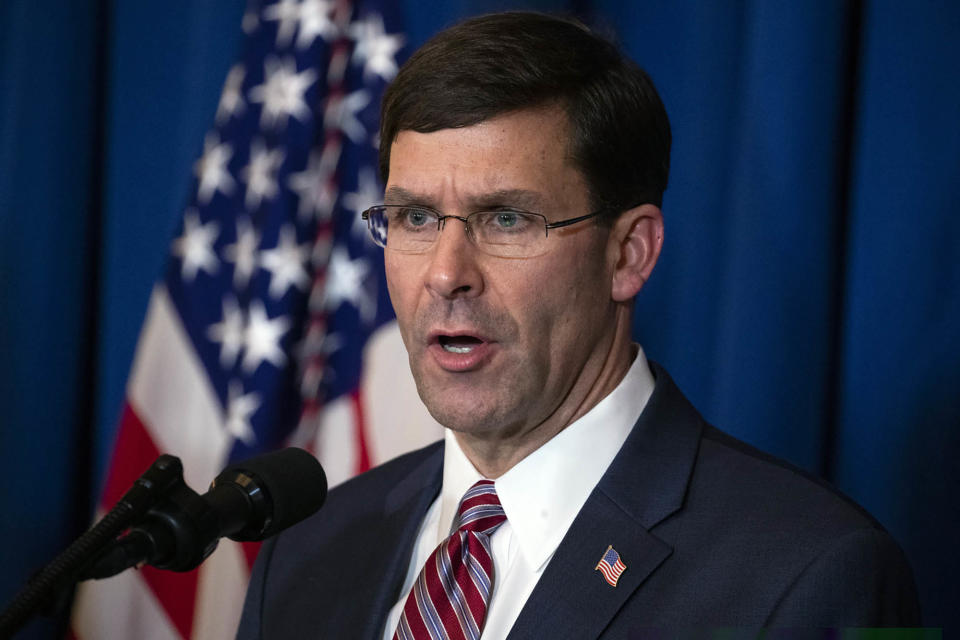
<point>249,500</point>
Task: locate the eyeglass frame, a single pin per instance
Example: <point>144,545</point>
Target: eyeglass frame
<point>441,220</point>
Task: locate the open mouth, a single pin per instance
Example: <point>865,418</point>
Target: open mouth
<point>459,344</point>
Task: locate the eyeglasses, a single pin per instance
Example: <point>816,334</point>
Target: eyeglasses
<point>505,233</point>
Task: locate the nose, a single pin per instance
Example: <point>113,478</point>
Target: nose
<point>453,271</point>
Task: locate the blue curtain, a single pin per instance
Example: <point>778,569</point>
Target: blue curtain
<point>49,166</point>
<point>808,298</point>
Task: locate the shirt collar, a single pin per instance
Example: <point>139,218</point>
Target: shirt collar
<point>543,493</point>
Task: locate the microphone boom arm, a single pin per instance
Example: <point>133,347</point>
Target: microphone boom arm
<point>162,476</point>
<point>165,523</point>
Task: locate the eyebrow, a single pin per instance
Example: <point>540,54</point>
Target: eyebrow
<point>514,198</point>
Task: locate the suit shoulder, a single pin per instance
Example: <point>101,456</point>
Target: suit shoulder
<point>383,477</point>
<point>351,546</point>
<point>750,481</point>
<point>361,498</point>
<point>780,546</point>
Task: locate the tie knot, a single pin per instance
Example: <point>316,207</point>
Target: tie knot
<point>480,510</point>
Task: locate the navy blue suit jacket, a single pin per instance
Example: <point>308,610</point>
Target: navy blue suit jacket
<point>713,532</point>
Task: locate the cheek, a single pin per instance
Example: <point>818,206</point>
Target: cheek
<point>580,302</point>
<point>400,279</point>
<point>549,308</point>
<point>402,290</point>
<point>393,288</point>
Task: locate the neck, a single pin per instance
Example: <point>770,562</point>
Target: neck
<point>492,457</point>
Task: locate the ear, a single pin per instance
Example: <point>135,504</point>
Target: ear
<point>633,249</point>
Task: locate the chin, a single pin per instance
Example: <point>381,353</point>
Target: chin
<point>459,418</point>
<point>469,403</point>
<point>466,416</point>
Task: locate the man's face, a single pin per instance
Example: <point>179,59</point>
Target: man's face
<point>500,345</point>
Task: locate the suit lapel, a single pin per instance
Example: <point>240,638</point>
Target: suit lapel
<point>572,599</point>
<point>645,484</point>
<point>390,543</point>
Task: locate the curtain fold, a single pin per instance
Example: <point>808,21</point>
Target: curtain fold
<point>899,409</point>
<point>48,242</point>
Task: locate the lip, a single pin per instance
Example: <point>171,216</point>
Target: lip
<point>434,336</point>
<point>476,358</point>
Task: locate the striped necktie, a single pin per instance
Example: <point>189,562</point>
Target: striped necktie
<point>449,599</point>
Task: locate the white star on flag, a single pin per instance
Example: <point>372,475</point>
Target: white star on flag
<point>318,342</point>
<point>368,193</point>
<point>243,253</point>
<point>345,280</point>
<point>282,93</point>
<point>315,21</point>
<point>313,185</point>
<point>240,408</point>
<point>341,113</point>
<point>211,169</point>
<point>261,339</point>
<point>231,99</point>
<point>250,21</point>
<point>286,262</point>
<point>228,333</point>
<point>287,13</point>
<point>195,246</point>
<point>375,48</point>
<point>260,174</point>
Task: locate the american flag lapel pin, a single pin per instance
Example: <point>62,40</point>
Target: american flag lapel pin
<point>611,566</point>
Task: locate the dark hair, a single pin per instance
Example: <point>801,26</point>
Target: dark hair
<point>494,64</point>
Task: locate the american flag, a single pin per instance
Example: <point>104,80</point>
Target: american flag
<point>611,566</point>
<point>271,325</point>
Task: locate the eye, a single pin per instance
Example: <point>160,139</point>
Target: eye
<point>415,217</point>
<point>506,219</point>
<point>411,218</point>
<point>506,222</point>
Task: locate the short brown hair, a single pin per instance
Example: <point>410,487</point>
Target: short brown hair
<point>494,64</point>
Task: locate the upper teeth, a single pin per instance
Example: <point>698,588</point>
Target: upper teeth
<point>458,348</point>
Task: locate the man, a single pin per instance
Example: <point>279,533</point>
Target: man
<point>577,494</point>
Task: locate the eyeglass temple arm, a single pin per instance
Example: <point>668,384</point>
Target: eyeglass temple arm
<point>566,223</point>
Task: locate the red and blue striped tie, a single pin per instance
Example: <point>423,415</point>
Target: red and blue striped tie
<point>449,599</point>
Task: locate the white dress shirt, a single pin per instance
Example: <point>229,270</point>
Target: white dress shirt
<point>541,495</point>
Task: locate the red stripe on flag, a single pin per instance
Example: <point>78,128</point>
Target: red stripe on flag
<point>177,592</point>
<point>360,425</point>
<point>250,551</point>
<point>133,454</point>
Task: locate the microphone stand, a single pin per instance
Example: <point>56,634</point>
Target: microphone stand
<point>163,476</point>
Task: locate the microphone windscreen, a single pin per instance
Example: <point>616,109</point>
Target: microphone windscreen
<point>294,482</point>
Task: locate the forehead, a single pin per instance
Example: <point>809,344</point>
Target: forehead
<point>522,156</point>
